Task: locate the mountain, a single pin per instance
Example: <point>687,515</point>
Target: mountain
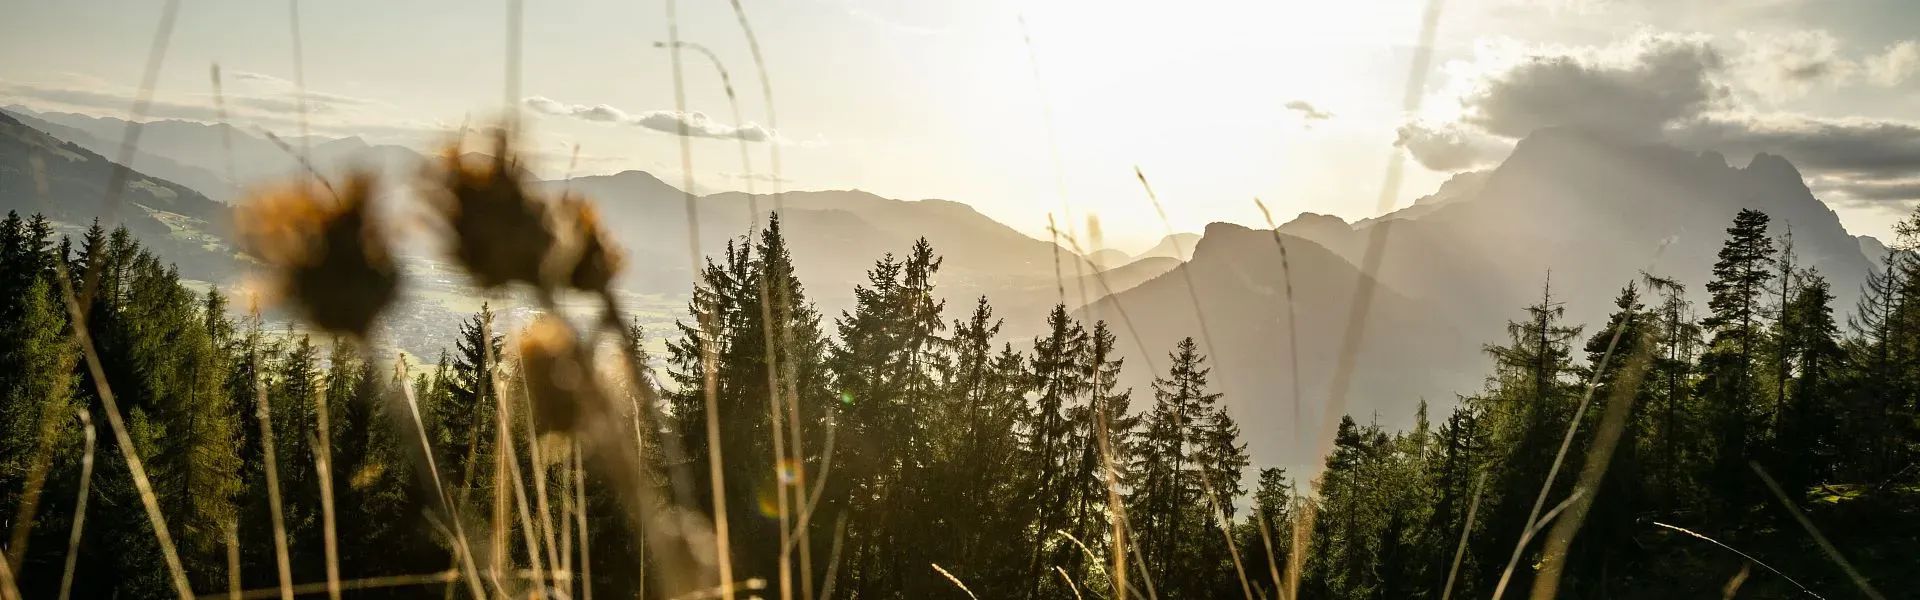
<point>199,154</point>
<point>1179,245</point>
<point>1125,277</point>
<point>178,222</point>
<point>1108,258</point>
<point>202,180</point>
<point>1586,210</point>
<point>835,237</point>
<point>1237,276</point>
<point>1875,251</point>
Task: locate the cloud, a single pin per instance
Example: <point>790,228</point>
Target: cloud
<point>1788,65</point>
<point>1785,66</point>
<point>1855,147</point>
<point>1876,191</point>
<point>1633,89</point>
<point>261,78</point>
<point>106,100</point>
<point>1450,147</point>
<point>1307,111</point>
<point>1894,66</point>
<point>693,124</point>
<point>197,107</point>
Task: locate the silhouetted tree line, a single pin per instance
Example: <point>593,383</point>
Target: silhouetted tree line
<point>903,441</point>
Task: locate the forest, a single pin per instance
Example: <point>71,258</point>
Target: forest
<point>1759,445</point>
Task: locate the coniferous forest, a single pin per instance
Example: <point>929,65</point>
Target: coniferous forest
<point>1756,443</point>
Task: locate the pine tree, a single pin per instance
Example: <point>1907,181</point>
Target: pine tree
<point>1728,373</point>
<point>1267,534</point>
<point>1058,380</point>
<point>1188,474</point>
<point>38,432</point>
<point>1806,440</point>
<point>1527,405</point>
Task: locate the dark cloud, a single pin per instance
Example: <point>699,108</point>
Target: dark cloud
<point>1878,191</point>
<point>1307,111</point>
<point>1854,147</point>
<point>692,124</point>
<point>1450,147</point>
<point>1633,90</point>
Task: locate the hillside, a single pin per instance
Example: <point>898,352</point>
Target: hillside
<point>179,223</point>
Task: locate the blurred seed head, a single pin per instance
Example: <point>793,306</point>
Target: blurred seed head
<point>326,251</point>
<point>559,375</point>
<point>501,233</point>
<point>592,258</point>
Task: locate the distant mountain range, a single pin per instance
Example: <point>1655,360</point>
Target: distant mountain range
<point>835,235</point>
<point>40,173</point>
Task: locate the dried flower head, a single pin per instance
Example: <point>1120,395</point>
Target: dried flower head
<point>501,233</point>
<point>594,259</point>
<point>559,375</point>
<point>326,250</point>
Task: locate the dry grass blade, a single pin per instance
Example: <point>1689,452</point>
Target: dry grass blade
<point>1293,336</point>
<point>723,554</point>
<point>812,501</point>
<point>1613,423</point>
<point>129,144</point>
<point>955,580</point>
<point>724,590</point>
<point>784,294</point>
<point>782,482</point>
<point>361,584</point>
<point>300,90</point>
<point>324,460</point>
<point>1460,551</point>
<point>277,514</point>
<point>1366,285</point>
<point>1805,523</point>
<point>1069,580</point>
<point>130,141</point>
<point>79,502</point>
<point>226,131</point>
<point>580,514</point>
<point>23,517</point>
<point>1744,555</point>
<point>1732,588</point>
<point>9,587</point>
<point>463,553</point>
<point>539,483</point>
<point>1265,525</point>
<point>1527,536</point>
<point>1146,357</point>
<point>833,557</point>
<point>519,484</point>
<point>232,531</point>
<point>1206,337</point>
<point>148,501</point>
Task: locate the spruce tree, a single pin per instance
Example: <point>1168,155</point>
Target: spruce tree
<point>1728,373</point>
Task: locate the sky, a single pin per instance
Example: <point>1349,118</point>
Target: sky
<point>1031,110</point>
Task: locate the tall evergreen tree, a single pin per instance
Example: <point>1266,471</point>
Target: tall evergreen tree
<point>1728,369</point>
